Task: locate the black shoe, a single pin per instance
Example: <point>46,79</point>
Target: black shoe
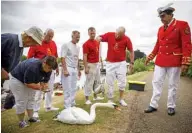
<point>171,111</point>
<point>33,119</point>
<point>150,110</point>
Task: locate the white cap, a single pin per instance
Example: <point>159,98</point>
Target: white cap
<point>160,10</point>
<point>36,33</point>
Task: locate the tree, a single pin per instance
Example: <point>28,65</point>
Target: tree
<point>139,54</point>
<point>23,57</point>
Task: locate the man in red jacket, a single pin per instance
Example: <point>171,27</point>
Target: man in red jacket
<point>48,47</point>
<point>172,51</point>
<point>116,66</point>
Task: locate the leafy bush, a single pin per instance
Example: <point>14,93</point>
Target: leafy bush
<point>189,73</point>
<point>139,65</point>
<point>23,57</point>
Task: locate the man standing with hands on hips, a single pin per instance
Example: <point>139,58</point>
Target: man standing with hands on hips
<point>173,53</point>
<point>116,67</point>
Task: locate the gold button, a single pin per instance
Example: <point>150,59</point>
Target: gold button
<point>167,39</point>
<point>167,53</point>
<point>166,46</point>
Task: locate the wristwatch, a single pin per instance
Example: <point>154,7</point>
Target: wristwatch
<point>132,63</point>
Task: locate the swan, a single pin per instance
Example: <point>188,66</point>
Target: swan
<point>75,115</point>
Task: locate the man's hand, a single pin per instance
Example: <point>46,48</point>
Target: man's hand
<point>44,87</point>
<point>86,70</point>
<point>66,73</point>
<point>4,74</point>
<point>57,71</point>
<point>79,74</point>
<point>184,68</point>
<point>130,68</point>
<point>147,61</point>
<point>98,39</point>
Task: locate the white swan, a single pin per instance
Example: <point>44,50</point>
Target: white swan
<point>75,115</point>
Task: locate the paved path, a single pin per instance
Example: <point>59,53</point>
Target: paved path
<point>160,122</point>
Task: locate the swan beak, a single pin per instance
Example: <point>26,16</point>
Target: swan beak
<point>117,108</point>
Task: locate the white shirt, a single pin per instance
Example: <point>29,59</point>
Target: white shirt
<point>70,52</point>
<point>171,22</point>
<point>20,40</point>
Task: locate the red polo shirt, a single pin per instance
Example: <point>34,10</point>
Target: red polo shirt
<point>116,48</point>
<point>43,50</point>
<point>91,48</point>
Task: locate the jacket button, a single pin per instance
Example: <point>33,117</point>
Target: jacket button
<point>167,39</point>
<point>166,46</point>
<point>167,53</point>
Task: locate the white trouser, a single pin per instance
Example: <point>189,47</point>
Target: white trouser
<point>48,95</point>
<point>6,85</point>
<point>173,74</point>
<point>115,71</point>
<point>69,85</point>
<point>92,78</point>
<point>24,96</point>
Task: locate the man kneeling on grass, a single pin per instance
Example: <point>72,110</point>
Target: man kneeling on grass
<point>28,76</point>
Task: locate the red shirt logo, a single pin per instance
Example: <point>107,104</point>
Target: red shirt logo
<point>49,51</point>
<point>116,47</point>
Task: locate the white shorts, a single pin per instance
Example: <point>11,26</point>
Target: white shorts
<point>116,71</point>
<point>24,96</point>
<point>92,78</point>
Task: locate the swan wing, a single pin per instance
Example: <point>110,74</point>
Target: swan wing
<point>66,116</point>
<point>82,116</point>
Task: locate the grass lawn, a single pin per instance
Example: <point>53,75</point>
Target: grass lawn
<point>104,123</point>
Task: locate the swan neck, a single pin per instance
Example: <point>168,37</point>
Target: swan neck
<point>92,112</point>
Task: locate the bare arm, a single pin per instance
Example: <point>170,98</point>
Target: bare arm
<point>4,74</point>
<point>63,64</point>
<point>85,63</point>
<point>34,86</point>
<point>85,60</point>
<point>131,56</point>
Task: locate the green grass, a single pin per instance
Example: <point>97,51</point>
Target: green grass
<point>102,123</point>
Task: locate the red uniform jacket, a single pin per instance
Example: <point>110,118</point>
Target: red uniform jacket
<point>173,47</point>
<point>43,50</point>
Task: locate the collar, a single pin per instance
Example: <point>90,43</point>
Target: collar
<point>171,21</point>
<point>20,40</point>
